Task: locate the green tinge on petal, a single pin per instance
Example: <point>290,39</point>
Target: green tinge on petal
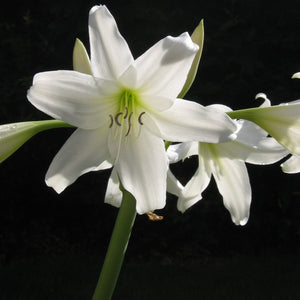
<point>14,135</point>
<point>81,61</point>
<point>198,38</point>
<point>280,121</point>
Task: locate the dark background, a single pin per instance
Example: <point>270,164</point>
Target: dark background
<point>250,47</point>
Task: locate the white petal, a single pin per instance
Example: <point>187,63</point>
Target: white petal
<point>181,151</point>
<point>84,151</point>
<point>266,103</point>
<point>233,183</point>
<point>296,75</point>
<point>163,69</point>
<point>189,121</point>
<point>157,103</point>
<point>292,165</point>
<point>173,184</point>
<point>192,192</point>
<point>113,194</point>
<point>253,146</point>
<point>76,98</point>
<point>283,123</point>
<point>110,54</point>
<point>142,168</point>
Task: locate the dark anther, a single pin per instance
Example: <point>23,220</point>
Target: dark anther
<point>129,123</point>
<point>140,118</point>
<point>117,118</point>
<point>111,121</point>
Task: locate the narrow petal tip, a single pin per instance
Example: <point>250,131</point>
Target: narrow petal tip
<point>57,182</point>
<point>296,75</point>
<point>96,7</point>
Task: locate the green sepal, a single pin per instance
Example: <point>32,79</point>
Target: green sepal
<point>198,38</point>
<point>81,61</point>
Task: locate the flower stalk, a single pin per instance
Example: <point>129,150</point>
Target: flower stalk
<point>116,249</point>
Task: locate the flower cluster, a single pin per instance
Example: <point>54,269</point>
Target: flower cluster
<point>130,115</point>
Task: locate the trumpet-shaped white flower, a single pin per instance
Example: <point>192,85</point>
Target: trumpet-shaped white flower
<point>281,121</point>
<point>226,162</point>
<point>14,135</point>
<point>124,110</point>
<point>292,165</point>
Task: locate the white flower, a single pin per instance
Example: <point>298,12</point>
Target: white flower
<point>281,121</point>
<point>124,111</point>
<point>226,162</point>
<point>292,165</point>
<point>14,135</point>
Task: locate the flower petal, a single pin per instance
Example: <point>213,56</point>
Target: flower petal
<point>192,192</point>
<point>173,184</point>
<point>110,54</point>
<point>253,146</point>
<point>156,103</point>
<point>84,151</point>
<point>281,121</point>
<point>113,194</point>
<point>142,167</point>
<point>181,151</point>
<point>233,183</point>
<point>292,165</point>
<point>163,69</point>
<point>14,135</point>
<point>76,98</point>
<point>189,121</point>
<point>296,75</point>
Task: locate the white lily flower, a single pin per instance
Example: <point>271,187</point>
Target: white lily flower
<point>281,121</point>
<point>226,162</point>
<point>292,165</point>
<point>124,111</point>
<point>14,135</point>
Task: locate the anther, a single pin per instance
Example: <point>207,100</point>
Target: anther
<point>111,121</point>
<point>140,118</point>
<point>117,118</point>
<point>129,123</point>
<point>126,113</point>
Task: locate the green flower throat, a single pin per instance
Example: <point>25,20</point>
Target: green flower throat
<point>127,113</point>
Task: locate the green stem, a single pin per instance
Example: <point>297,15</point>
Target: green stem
<point>116,249</point>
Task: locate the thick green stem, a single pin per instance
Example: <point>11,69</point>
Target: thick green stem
<point>116,249</point>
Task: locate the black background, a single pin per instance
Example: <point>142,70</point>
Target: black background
<point>250,47</point>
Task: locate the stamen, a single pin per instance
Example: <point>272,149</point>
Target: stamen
<point>154,217</point>
<point>111,121</point>
<point>117,118</point>
<point>126,113</point>
<point>140,118</point>
<point>129,123</point>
